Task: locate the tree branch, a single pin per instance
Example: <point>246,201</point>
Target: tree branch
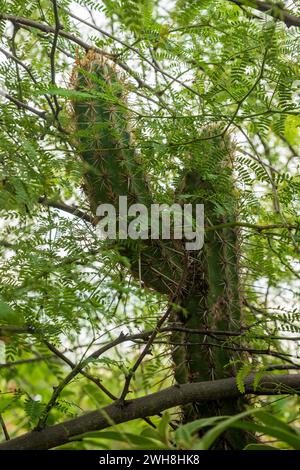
<point>271,9</point>
<point>21,362</point>
<point>150,405</point>
<point>21,105</point>
<point>49,29</point>
<point>84,216</point>
<point>58,26</point>
<point>65,208</point>
<point>4,428</point>
<point>145,351</point>
<point>27,22</point>
<point>8,55</point>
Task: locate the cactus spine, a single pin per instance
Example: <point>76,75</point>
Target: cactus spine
<point>208,280</point>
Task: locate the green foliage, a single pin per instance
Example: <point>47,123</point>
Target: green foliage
<point>284,435</point>
<point>265,423</point>
<point>176,80</point>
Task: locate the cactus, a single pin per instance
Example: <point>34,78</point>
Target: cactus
<point>212,297</point>
<point>113,167</point>
<point>206,282</point>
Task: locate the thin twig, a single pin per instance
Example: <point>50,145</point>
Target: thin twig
<point>58,27</point>
<point>4,428</point>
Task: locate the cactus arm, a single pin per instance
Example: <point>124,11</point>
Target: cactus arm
<point>113,167</point>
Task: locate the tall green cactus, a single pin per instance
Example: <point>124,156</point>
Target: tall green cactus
<point>212,297</point>
<point>206,282</point>
<point>113,167</point>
